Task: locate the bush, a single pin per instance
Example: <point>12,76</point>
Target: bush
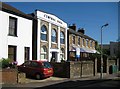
<point>6,63</point>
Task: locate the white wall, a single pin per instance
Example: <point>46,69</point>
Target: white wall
<point>23,39</point>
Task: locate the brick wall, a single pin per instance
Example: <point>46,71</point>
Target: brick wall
<point>73,69</point>
<point>9,76</point>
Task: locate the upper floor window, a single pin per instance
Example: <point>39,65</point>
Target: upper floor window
<point>87,42</point>
<point>12,26</point>
<point>54,35</point>
<point>44,33</point>
<point>62,38</point>
<point>90,43</point>
<point>83,42</point>
<point>78,40</point>
<point>73,39</point>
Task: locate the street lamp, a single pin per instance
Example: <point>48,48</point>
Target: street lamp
<point>101,69</point>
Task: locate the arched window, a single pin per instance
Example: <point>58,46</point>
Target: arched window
<point>62,38</point>
<point>43,52</point>
<point>54,36</point>
<point>44,33</point>
<point>62,52</point>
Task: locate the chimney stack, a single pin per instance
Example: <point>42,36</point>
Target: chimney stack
<point>73,27</point>
<point>81,30</point>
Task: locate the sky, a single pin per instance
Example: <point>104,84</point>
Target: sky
<point>88,15</point>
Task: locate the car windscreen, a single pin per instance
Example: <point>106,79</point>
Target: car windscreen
<point>46,65</point>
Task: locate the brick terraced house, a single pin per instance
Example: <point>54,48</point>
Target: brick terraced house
<point>80,46</point>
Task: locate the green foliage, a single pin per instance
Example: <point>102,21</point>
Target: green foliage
<point>95,55</point>
<point>97,47</point>
<point>4,63</point>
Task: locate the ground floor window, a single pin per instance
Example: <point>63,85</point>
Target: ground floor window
<point>27,53</point>
<point>72,55</point>
<point>43,54</point>
<point>12,51</point>
<point>62,52</point>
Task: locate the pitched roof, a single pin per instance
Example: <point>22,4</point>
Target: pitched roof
<point>71,31</point>
<point>9,9</point>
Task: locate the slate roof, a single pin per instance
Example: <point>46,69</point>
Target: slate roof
<point>9,9</point>
<point>71,31</point>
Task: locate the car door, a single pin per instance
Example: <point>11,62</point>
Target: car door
<point>24,67</point>
<point>34,67</point>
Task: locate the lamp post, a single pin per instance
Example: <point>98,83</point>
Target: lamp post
<point>101,69</point>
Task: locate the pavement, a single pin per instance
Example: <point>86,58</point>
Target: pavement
<point>56,80</point>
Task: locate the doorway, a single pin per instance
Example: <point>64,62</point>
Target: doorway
<point>54,56</point>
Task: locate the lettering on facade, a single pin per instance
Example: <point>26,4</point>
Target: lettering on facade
<point>51,18</point>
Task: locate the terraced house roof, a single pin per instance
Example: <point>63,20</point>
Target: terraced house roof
<point>9,9</point>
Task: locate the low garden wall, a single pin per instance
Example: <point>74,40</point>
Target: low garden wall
<point>8,76</point>
<point>73,69</point>
<point>11,76</point>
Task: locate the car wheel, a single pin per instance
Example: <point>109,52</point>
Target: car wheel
<point>38,76</point>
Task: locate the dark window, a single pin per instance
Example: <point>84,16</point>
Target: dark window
<point>54,35</point>
<point>27,52</point>
<point>73,39</point>
<point>34,64</point>
<point>62,38</point>
<point>90,43</point>
<point>87,42</point>
<point>12,53</point>
<point>46,65</point>
<point>79,41</point>
<point>83,42</point>
<point>27,63</point>
<point>12,26</point>
<point>44,33</point>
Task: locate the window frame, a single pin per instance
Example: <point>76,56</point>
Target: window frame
<point>73,39</point>
<point>43,33</point>
<point>12,28</point>
<point>79,40</point>
<point>27,53</point>
<point>13,54</point>
<point>54,37</point>
<point>62,37</point>
<point>44,52</point>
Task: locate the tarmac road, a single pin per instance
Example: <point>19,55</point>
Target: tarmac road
<point>60,83</point>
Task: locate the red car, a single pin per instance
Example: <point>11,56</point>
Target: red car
<point>37,69</point>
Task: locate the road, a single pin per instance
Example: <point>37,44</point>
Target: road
<point>56,83</point>
<point>72,84</point>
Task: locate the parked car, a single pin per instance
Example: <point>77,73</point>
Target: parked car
<point>37,69</point>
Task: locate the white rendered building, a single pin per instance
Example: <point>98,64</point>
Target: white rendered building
<point>15,34</point>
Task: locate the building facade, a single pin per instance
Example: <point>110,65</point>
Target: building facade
<point>15,34</point>
<point>51,35</point>
<point>114,48</point>
<point>80,46</point>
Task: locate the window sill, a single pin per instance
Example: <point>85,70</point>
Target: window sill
<point>62,44</point>
<point>54,43</point>
<point>43,41</point>
<point>12,35</point>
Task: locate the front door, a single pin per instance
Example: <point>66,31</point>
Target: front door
<point>54,56</point>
